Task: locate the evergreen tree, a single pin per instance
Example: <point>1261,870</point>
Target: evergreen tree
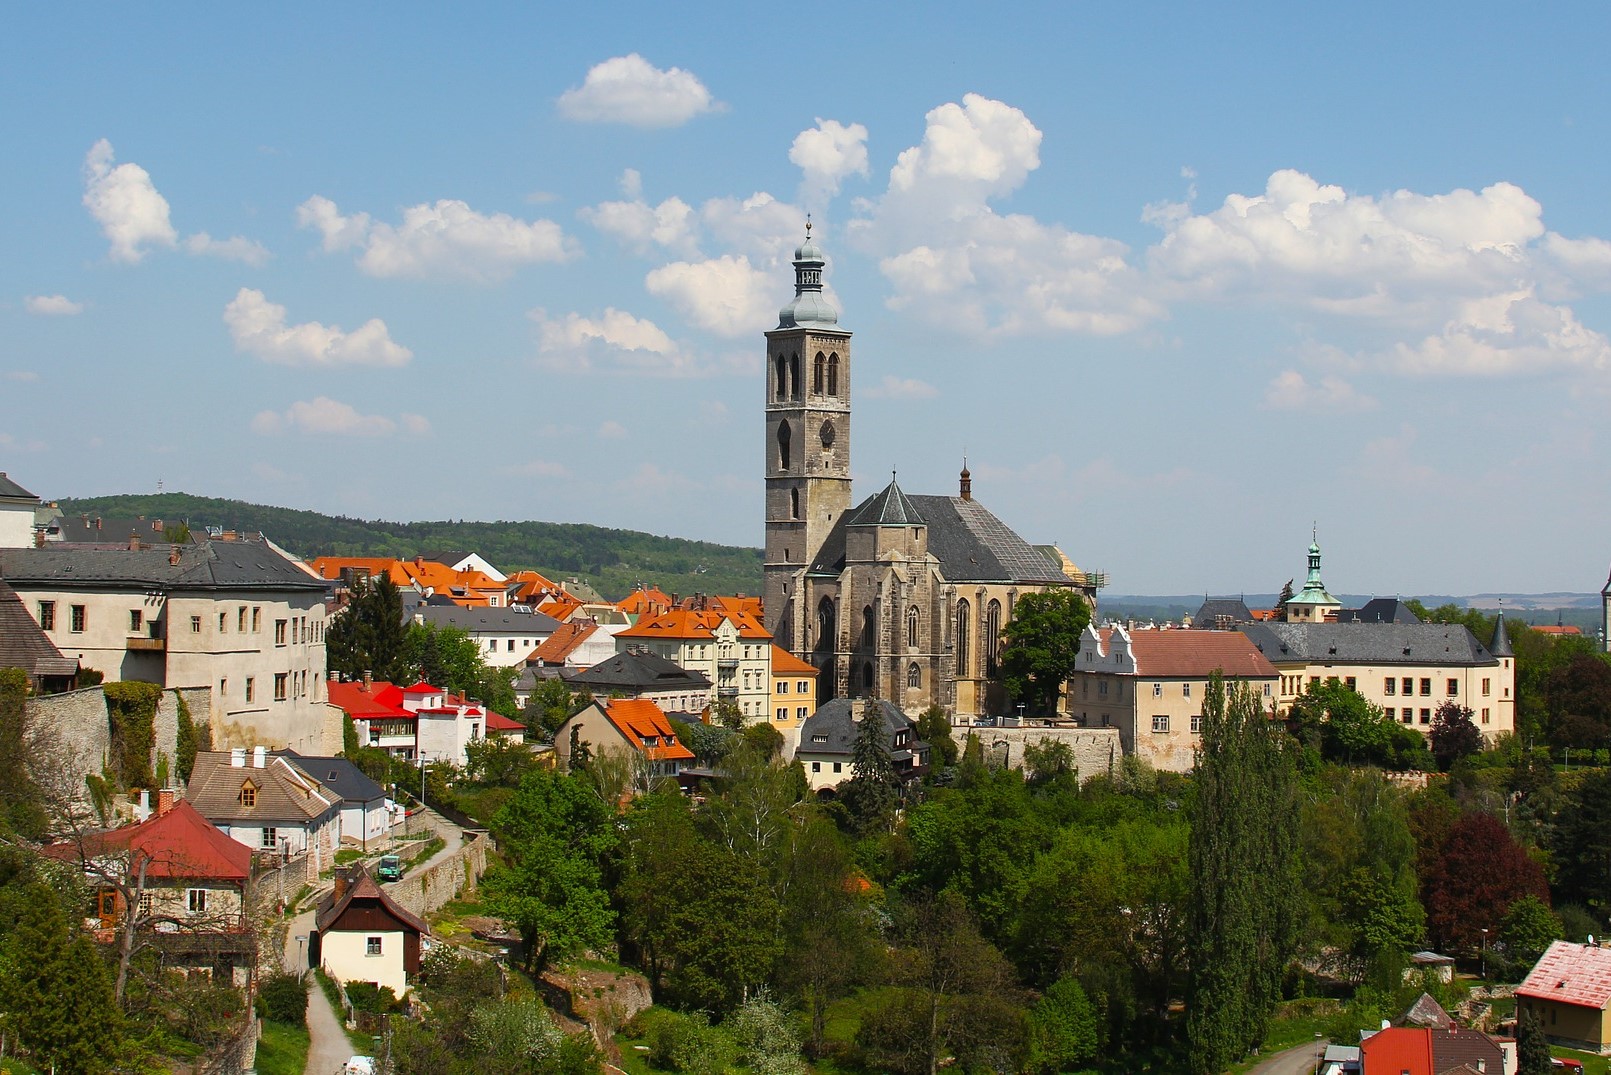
<point>55,994</point>
<point>20,802</point>
<point>1532,1050</point>
<point>1244,865</point>
<point>368,636</point>
<point>871,793</point>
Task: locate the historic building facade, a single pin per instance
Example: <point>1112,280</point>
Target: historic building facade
<point>901,597</point>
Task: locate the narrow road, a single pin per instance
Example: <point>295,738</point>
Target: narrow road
<point>328,1044</point>
<point>1298,1060</point>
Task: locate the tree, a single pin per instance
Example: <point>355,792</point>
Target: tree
<point>870,795</point>
<point>1454,735</point>
<point>1350,729</point>
<point>1062,1029</point>
<point>55,998</point>
<point>1244,876</point>
<point>1532,1048</point>
<point>1048,758</point>
<point>1579,700</point>
<point>1580,844</point>
<point>367,636</point>
<point>1528,928</point>
<point>934,728</point>
<point>1041,645</point>
<point>1478,873</point>
<point>550,703</point>
<point>20,800</point>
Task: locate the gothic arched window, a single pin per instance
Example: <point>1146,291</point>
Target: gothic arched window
<point>795,384</point>
<point>825,624</point>
<point>816,372</point>
<point>782,378</point>
<point>794,503</point>
<point>833,375</point>
<point>867,679</point>
<point>992,637</point>
<point>963,616</point>
<point>914,675</point>
<point>911,627</point>
<point>867,630</point>
<point>783,446</point>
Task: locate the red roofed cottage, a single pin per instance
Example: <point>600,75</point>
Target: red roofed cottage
<point>1569,989</point>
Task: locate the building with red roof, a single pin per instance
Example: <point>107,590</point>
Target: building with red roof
<point>619,725</point>
<point>1569,990</point>
<point>1150,684</point>
<point>1415,1050</point>
<point>418,720</point>
<point>726,645</point>
<point>361,934</point>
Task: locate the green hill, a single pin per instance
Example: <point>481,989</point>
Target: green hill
<point>613,561</point>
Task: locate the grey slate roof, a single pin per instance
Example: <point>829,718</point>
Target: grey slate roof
<point>1214,607</point>
<point>1379,610</point>
<point>888,508</point>
<point>107,529</point>
<point>284,796</point>
<point>24,645</point>
<point>211,565</point>
<point>1499,646</point>
<point>971,544</point>
<point>636,671</point>
<point>836,721</point>
<point>338,774</point>
<point>10,490</point>
<point>1369,643</point>
<point>498,620</point>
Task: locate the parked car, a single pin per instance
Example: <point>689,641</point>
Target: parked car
<point>390,868</point>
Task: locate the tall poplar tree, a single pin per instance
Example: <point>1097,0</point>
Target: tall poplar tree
<point>1244,862</point>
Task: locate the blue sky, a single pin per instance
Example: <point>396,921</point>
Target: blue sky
<point>1181,282</point>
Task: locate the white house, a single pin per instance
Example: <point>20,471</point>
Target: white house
<point>504,635</point>
<point>362,935</point>
<point>266,803</point>
<point>17,506</point>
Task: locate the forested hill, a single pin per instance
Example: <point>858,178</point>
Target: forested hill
<point>613,561</point>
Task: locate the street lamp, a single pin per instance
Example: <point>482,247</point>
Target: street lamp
<point>1485,955</point>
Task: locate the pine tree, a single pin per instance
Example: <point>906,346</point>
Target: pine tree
<point>1532,1050</point>
<point>1245,899</point>
<point>871,792</point>
<point>55,993</point>
<point>369,635</point>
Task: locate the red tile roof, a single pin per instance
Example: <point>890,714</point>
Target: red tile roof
<point>1398,1050</point>
<point>364,888</point>
<point>1195,654</point>
<point>180,845</point>
<point>497,724</point>
<point>682,623</point>
<point>381,699</point>
<point>785,663</point>
<point>640,719</point>
<point>562,643</point>
<point>1571,974</point>
<point>648,602</point>
<point>1555,629</point>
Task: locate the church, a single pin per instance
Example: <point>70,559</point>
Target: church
<point>901,597</point>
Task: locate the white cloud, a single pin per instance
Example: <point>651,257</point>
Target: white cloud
<point>641,226</point>
<point>52,305</point>
<point>125,202</point>
<point>631,90</point>
<point>20,376</point>
<point>235,248</point>
<point>1505,334</point>
<point>417,424</point>
<point>1290,391</point>
<point>7,440</point>
<point>259,328</point>
<point>443,238</point>
<point>829,152</point>
<point>759,226</point>
<point>892,387</point>
<point>538,468</point>
<point>725,295</point>
<point>324,416</point>
<point>619,342</point>
<point>978,148</point>
<point>610,429</point>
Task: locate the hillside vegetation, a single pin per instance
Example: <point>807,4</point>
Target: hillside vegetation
<point>613,561</point>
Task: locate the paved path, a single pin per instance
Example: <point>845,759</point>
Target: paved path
<point>1298,1060</point>
<point>328,1044</point>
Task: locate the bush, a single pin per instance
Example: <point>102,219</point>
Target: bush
<point>283,998</point>
<point>685,1043</point>
<point>372,998</point>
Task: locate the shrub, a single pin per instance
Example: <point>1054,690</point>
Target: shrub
<point>372,998</point>
<point>283,998</point>
<point>685,1043</point>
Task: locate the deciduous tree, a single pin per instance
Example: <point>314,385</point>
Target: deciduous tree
<point>1041,645</point>
<point>1454,735</point>
<point>1479,872</point>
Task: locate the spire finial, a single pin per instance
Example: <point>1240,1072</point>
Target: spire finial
<point>808,225</point>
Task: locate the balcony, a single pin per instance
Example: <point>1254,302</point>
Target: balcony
<point>727,692</point>
<point>153,640</point>
<point>727,664</point>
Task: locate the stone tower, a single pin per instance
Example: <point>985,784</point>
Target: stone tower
<point>807,447</point>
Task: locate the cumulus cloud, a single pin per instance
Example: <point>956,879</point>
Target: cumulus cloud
<point>1505,334</point>
<point>829,152</point>
<point>760,227</point>
<point>259,328</point>
<point>631,90</point>
<point>1291,391</point>
<point>52,305</point>
<point>892,387</point>
<point>324,416</point>
<point>727,295</point>
<point>947,252</point>
<point>443,238</point>
<point>235,248</point>
<point>124,201</point>
<point>642,227</point>
<point>619,342</point>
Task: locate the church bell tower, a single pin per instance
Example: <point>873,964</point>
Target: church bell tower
<point>807,448</point>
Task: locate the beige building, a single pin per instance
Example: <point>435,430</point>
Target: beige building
<point>624,726</point>
<point>1150,685</point>
<point>727,646</point>
<point>1569,990</point>
<point>240,617</point>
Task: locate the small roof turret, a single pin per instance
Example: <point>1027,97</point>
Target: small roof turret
<point>810,309</point>
<point>888,508</point>
<point>1500,646</point>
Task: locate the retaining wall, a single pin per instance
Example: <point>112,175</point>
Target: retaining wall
<point>425,890</point>
<point>1096,750</point>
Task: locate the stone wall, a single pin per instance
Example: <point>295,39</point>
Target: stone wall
<point>424,891</point>
<point>1096,750</point>
<point>78,720</point>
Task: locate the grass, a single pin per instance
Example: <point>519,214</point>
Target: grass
<point>435,844</point>
<point>301,894</point>
<point>283,1049</point>
<point>349,854</point>
<point>1593,1063</point>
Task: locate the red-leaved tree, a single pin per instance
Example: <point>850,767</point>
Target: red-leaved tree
<point>1472,881</point>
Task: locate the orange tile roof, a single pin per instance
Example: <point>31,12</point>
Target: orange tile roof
<point>1195,653</point>
<point>558,604</point>
<point>646,602</point>
<point>1555,629</point>
<point>1400,1050</point>
<point>640,719</point>
<point>562,643</point>
<point>330,567</point>
<point>497,724</point>
<point>1571,974</point>
<point>785,663</point>
<point>749,606</point>
<point>681,623</point>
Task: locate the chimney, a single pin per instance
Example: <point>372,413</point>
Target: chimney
<point>97,522</point>
<point>369,680</point>
<point>39,538</point>
<point>173,556</point>
<point>237,757</point>
<point>967,483</point>
<point>259,757</point>
<point>166,797</point>
<point>134,542</point>
<point>342,882</point>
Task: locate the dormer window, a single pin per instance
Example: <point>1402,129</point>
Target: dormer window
<point>248,796</point>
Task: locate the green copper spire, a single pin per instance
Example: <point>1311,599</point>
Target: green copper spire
<point>809,308</point>
<point>1314,591</point>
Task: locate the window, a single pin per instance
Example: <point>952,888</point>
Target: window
<point>196,900</point>
<point>372,946</point>
<point>1352,683</point>
<point>223,686</point>
<point>801,686</point>
<point>783,712</point>
<point>783,686</point>
<point>257,619</point>
<point>1409,686</point>
<point>251,688</point>
<point>1454,687</point>
<point>271,838</point>
<point>1157,690</point>
<point>1485,714</point>
<point>223,622</point>
<point>195,625</point>
<point>837,766</point>
<point>1266,690</point>
<point>1487,686</point>
<point>783,446</point>
<point>279,632</point>
<point>280,679</point>
<point>962,639</point>
<point>1390,686</point>
<point>833,375</point>
<point>1197,725</point>
<point>147,904</point>
<point>914,675</point>
<point>47,615</point>
<point>492,644</point>
<point>992,637</point>
<point>1426,687</point>
<point>78,619</point>
<point>1426,716</point>
<point>911,627</point>
<point>816,767</point>
<point>816,372</point>
<point>800,713</point>
<point>136,621</point>
<point>240,620</point>
<point>1102,688</point>
<point>248,795</point>
<point>1160,723</point>
<point>1185,690</point>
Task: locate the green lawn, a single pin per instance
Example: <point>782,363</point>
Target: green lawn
<point>283,1049</point>
<point>1593,1063</point>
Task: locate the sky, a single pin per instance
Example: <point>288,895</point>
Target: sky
<point>1184,284</point>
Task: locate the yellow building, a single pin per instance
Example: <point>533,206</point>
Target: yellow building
<point>794,693</point>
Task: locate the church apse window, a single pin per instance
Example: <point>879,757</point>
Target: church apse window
<point>992,638</point>
<point>867,628</point>
<point>914,675</point>
<point>783,446</point>
<point>963,615</point>
<point>795,384</point>
<point>833,374</point>
<point>817,368</point>
<point>911,628</point>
